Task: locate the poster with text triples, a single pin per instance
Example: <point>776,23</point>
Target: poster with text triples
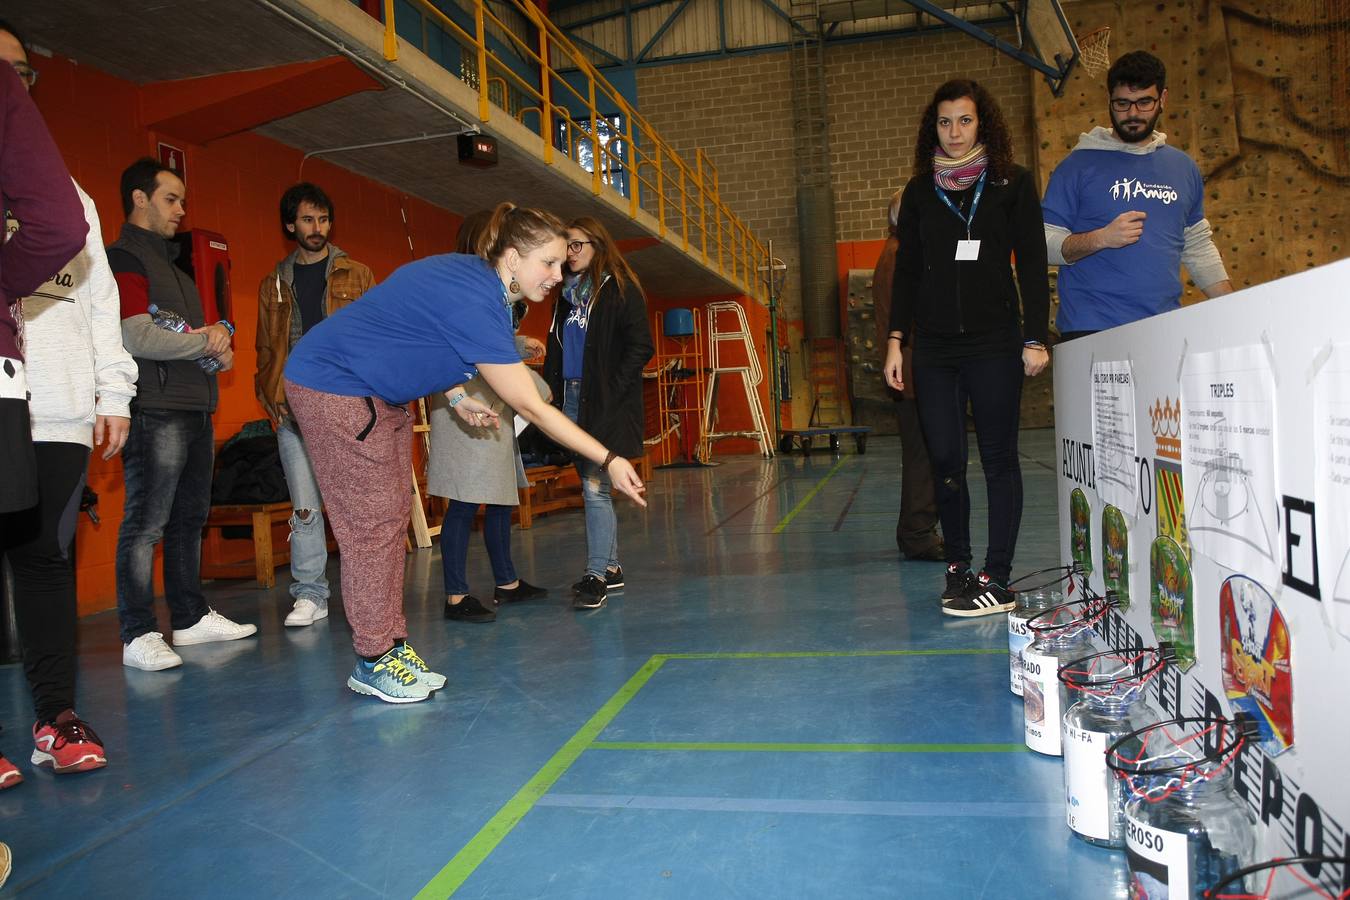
<point>1113,441</point>
<point>1228,459</point>
<point>1331,471</point>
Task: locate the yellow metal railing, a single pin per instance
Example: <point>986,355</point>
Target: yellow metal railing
<point>684,199</point>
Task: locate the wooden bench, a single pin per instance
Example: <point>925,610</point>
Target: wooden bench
<point>261,517</point>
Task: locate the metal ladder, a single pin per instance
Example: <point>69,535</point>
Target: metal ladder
<point>751,376</point>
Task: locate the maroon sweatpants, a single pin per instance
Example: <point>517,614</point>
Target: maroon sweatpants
<point>361,448</point>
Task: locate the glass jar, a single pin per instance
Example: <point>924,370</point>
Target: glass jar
<point>1182,845</point>
<point>1028,604</point>
<point>1042,693</point>
<point>1094,796</point>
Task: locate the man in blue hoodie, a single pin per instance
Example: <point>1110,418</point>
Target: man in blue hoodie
<point>1124,211</point>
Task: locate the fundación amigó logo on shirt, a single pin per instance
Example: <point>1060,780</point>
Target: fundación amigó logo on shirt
<point>1128,189</point>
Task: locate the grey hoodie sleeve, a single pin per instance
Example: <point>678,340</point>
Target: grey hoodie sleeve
<point>1055,236</point>
<point>1200,256</point>
<point>143,338</point>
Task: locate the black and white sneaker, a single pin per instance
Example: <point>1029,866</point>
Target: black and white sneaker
<point>614,579</point>
<point>959,580</point>
<point>589,592</point>
<point>984,598</point>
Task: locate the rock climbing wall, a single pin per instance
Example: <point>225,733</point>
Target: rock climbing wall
<point>1259,96</point>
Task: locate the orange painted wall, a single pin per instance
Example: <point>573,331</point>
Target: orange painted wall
<point>234,186</point>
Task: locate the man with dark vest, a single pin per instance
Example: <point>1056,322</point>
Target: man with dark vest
<point>167,461</point>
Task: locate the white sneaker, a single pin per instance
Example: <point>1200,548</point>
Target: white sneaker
<point>213,627</point>
<point>306,612</point>
<point>149,653</point>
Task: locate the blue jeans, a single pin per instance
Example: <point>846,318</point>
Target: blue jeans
<point>602,528</point>
<point>455,530</point>
<point>167,466</point>
<point>309,544</point>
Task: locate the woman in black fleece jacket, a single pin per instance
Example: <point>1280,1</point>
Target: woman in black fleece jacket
<point>965,215</point>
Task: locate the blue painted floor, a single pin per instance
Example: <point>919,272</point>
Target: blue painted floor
<point>747,719</point>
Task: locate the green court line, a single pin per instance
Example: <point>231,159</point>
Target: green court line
<point>733,747</point>
<point>825,654</point>
<point>471,856</point>
<point>455,872</point>
<point>778,529</point>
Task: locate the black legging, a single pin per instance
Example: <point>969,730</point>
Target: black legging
<point>38,542</point>
<point>994,389</point>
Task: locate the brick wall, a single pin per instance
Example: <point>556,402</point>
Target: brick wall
<point>739,111</point>
<point>878,91</point>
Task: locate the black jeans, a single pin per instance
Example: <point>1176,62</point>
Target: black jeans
<point>993,388</point>
<point>916,529</point>
<point>167,465</point>
<point>38,543</point>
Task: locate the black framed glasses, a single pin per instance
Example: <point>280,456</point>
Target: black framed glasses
<point>1143,104</point>
<point>575,246</point>
<point>26,72</point>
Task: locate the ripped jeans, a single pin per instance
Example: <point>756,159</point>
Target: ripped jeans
<point>602,528</point>
<point>309,545</point>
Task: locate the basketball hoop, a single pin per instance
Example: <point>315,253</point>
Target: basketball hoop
<point>1295,876</point>
<point>1178,754</point>
<point>1093,51</point>
<point>1118,675</point>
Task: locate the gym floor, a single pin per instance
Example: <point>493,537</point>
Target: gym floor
<point>774,706</point>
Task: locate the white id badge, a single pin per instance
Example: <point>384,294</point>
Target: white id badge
<point>967,250</point>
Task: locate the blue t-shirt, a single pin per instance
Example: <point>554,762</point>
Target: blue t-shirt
<point>420,331</point>
<point>578,291</point>
<point>1115,286</point>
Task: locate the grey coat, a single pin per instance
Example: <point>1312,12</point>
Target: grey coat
<point>476,465</point>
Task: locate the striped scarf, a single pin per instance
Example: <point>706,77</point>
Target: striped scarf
<point>959,174</point>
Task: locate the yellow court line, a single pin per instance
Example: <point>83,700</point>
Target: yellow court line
<point>778,529</point>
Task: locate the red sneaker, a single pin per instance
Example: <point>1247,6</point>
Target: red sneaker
<point>67,745</point>
<point>9,773</point>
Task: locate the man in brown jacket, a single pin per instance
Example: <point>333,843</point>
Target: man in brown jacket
<point>315,281</point>
<point>916,531</point>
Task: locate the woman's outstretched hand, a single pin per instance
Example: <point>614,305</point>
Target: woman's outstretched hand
<point>625,479</point>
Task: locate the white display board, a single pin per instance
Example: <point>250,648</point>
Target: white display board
<point>1237,527</point>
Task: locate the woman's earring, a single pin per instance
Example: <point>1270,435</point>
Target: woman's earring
<point>514,286</point>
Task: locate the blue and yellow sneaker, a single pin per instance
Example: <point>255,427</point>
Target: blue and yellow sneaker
<point>405,652</point>
<point>388,678</point>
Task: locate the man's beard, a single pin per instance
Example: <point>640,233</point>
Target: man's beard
<point>310,244</point>
<point>1140,136</point>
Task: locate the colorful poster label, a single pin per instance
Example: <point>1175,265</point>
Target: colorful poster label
<point>1171,601</point>
<point>1114,451</point>
<point>1019,638</point>
<point>1255,649</point>
<point>1171,504</point>
<point>1116,555</point>
<point>1228,459</point>
<point>1080,523</point>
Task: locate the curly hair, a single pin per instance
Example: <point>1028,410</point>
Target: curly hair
<point>993,131</point>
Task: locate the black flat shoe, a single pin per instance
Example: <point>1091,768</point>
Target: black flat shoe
<point>470,609</point>
<point>522,591</point>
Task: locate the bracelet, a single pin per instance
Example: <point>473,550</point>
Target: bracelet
<point>457,398</point>
<point>896,337</point>
<point>1033,345</point>
<point>609,458</point>
<point>228,326</point>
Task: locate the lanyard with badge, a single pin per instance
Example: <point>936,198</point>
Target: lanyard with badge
<point>968,249</point>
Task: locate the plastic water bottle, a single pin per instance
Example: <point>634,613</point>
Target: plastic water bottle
<point>172,321</point>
